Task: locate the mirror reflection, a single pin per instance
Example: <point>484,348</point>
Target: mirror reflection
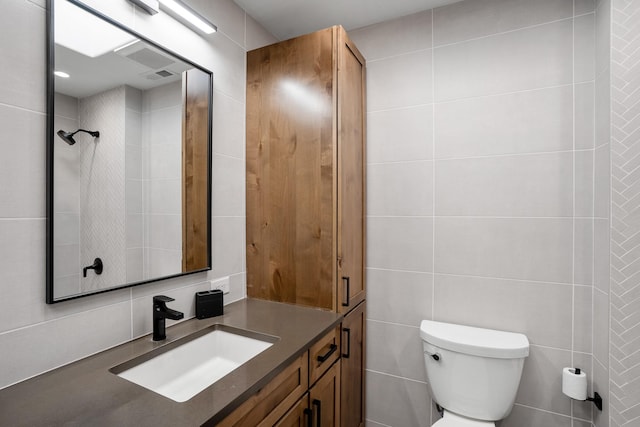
<point>130,152</point>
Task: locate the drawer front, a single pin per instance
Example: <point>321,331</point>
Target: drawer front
<point>323,353</point>
<point>273,400</point>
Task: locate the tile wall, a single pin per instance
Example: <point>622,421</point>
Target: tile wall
<point>480,195</point>
<point>624,292</point>
<point>35,337</point>
<point>602,160</point>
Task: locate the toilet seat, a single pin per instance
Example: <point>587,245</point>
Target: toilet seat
<point>450,419</point>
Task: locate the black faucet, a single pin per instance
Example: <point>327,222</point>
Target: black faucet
<point>160,313</point>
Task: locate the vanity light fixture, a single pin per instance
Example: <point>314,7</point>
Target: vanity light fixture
<point>187,16</point>
<point>149,6</point>
<point>62,74</point>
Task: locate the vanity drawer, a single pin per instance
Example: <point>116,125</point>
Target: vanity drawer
<point>274,399</point>
<point>323,353</point>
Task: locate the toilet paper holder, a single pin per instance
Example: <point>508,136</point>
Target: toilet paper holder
<point>596,399</point>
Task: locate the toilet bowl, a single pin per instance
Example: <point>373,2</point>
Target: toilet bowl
<point>472,373</point>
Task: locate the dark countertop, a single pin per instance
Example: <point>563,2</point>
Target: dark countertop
<point>86,393</point>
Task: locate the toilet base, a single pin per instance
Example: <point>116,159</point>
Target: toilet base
<point>450,419</point>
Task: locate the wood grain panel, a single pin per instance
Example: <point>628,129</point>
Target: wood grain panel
<point>290,169</point>
<point>195,170</point>
<point>351,174</point>
<point>321,348</point>
<point>325,398</point>
<point>298,416</point>
<point>273,400</point>
<point>353,363</point>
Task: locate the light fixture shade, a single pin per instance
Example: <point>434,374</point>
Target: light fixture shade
<point>187,16</point>
<point>150,6</point>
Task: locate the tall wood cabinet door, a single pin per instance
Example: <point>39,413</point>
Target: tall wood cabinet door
<point>291,201</point>
<point>325,398</point>
<point>351,174</point>
<point>196,227</point>
<point>353,350</point>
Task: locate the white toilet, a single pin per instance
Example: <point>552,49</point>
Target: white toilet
<point>473,373</point>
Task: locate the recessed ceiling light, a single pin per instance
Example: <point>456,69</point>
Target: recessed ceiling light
<point>61,74</point>
<point>82,32</point>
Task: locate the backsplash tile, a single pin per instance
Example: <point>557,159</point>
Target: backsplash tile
<point>388,38</point>
<point>395,350</point>
<point>532,308</point>
<point>479,18</point>
<point>517,248</point>
<point>392,197</point>
<point>538,185</point>
<point>387,292</point>
<point>399,81</point>
<point>539,121</point>
<point>400,135</point>
<point>400,243</point>
<point>470,69</point>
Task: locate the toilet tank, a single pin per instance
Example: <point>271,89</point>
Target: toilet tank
<point>473,372</point>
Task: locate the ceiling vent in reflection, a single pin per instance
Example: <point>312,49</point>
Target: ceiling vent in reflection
<point>150,58</point>
<point>157,75</point>
<point>144,54</point>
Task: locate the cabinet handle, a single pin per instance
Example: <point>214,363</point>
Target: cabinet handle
<point>345,279</point>
<point>348,353</point>
<point>332,349</point>
<point>318,405</point>
<point>309,414</point>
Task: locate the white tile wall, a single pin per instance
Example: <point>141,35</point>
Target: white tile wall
<point>481,170</point>
<point>74,329</point>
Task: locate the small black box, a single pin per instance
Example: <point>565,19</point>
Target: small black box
<point>209,304</point>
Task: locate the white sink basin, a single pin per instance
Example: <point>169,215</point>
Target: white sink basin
<point>185,367</point>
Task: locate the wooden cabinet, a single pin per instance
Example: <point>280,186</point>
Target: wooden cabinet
<point>323,354</point>
<point>320,407</point>
<point>325,398</point>
<point>305,166</point>
<point>353,358</point>
<point>269,404</point>
<point>306,171</point>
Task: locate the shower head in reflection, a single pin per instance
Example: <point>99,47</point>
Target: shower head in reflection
<point>68,136</point>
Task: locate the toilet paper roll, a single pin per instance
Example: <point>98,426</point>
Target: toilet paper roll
<point>574,385</point>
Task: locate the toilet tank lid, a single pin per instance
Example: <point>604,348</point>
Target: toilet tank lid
<point>475,341</point>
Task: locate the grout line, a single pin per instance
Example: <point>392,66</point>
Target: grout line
<point>476,217</point>
<point>474,97</point>
<point>405,325</point>
<point>483,156</point>
<point>399,55</point>
<point>28,110</point>
<point>527,281</point>
<point>405,107</point>
<point>550,412</point>
<point>513,92</point>
<point>433,179</point>
<point>501,33</point>
<point>573,185</point>
<point>396,376</point>
<point>376,422</point>
<point>23,218</point>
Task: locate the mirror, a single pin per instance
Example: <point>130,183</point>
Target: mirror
<point>128,157</point>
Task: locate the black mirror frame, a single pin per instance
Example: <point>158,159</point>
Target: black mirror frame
<point>50,85</point>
